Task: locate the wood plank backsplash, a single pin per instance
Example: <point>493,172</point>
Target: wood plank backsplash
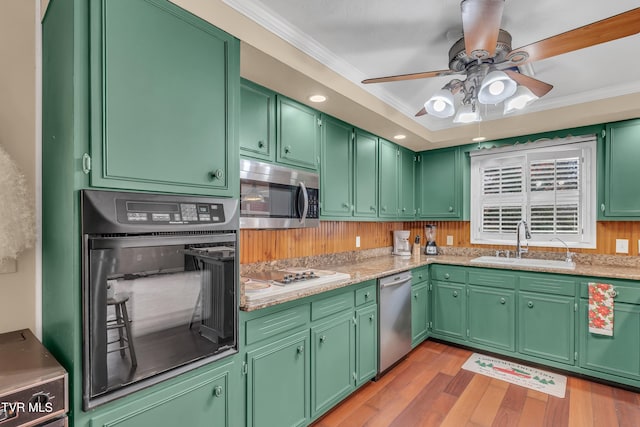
<point>340,236</point>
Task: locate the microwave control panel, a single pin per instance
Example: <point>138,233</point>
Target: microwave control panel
<point>314,205</point>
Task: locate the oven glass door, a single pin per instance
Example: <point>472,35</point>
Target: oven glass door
<point>156,303</point>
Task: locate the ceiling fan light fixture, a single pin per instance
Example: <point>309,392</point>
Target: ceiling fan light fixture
<point>440,104</point>
<point>520,99</point>
<point>496,87</point>
<point>467,114</point>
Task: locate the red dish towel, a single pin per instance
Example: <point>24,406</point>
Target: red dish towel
<point>601,308</point>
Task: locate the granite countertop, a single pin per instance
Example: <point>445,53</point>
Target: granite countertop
<point>380,266</point>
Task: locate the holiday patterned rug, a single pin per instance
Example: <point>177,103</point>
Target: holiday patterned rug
<point>517,374</point>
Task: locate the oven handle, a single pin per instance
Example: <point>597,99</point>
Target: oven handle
<point>141,241</point>
<point>305,197</point>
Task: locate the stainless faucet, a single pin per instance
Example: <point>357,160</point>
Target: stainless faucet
<point>568,259</point>
<point>519,249</point>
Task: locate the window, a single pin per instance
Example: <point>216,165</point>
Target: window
<point>550,184</point>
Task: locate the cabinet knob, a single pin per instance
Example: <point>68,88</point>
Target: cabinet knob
<point>366,295</point>
<point>420,277</point>
<point>373,208</point>
<point>346,205</point>
<point>503,301</point>
<point>446,276</point>
<point>404,209</point>
<point>287,149</point>
<point>371,317</point>
<point>602,207</point>
<point>216,174</point>
<point>217,391</point>
<point>300,349</point>
<point>450,208</point>
<point>384,208</point>
<point>455,294</point>
<point>415,295</point>
<point>260,144</point>
<point>323,338</point>
<point>530,304</point>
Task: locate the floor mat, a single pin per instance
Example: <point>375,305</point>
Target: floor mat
<point>514,373</point>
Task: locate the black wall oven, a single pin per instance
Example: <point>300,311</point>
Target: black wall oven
<point>160,288</point>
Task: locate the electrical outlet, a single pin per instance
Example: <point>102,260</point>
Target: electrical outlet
<point>622,246</point>
<point>357,241</point>
<point>449,240</point>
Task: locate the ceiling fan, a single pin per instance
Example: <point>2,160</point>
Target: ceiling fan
<point>485,55</point>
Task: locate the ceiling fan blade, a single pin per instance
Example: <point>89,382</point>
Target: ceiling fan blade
<point>613,28</point>
<point>422,112</point>
<point>538,87</point>
<point>481,24</point>
<point>411,76</point>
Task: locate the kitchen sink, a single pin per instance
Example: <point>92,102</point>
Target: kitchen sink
<point>524,262</point>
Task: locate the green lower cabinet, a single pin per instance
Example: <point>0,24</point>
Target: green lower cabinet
<point>277,383</point>
<point>617,354</point>
<point>419,314</point>
<point>332,362</point>
<point>449,309</point>
<point>492,317</point>
<point>366,344</point>
<point>546,326</point>
<point>206,400</point>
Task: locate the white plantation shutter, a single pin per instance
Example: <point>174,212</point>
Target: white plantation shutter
<point>551,185</point>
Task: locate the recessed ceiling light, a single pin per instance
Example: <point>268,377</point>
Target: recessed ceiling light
<point>479,139</point>
<point>317,98</point>
<point>400,136</point>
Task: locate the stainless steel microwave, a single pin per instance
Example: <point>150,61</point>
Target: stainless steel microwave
<point>274,196</point>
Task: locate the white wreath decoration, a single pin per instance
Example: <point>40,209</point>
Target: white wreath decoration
<point>17,223</point>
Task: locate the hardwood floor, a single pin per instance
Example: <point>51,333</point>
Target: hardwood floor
<point>429,388</point>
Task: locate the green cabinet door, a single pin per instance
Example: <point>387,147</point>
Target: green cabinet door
<point>298,135</point>
<point>406,184</point>
<point>617,354</point>
<point>439,187</point>
<point>492,317</point>
<point>277,383</point>
<point>163,117</point>
<point>419,319</point>
<point>366,344</point>
<point>206,400</point>
<point>365,184</point>
<point>622,147</point>
<point>546,326</point>
<point>449,309</point>
<point>336,170</point>
<point>388,179</point>
<point>332,362</point>
<point>257,121</point>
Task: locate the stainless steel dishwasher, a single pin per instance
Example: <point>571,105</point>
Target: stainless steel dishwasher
<point>394,303</point>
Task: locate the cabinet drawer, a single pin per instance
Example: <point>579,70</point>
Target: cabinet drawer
<point>447,273</point>
<point>366,295</point>
<point>276,323</point>
<point>331,305</point>
<point>496,279</point>
<point>548,284</point>
<point>625,292</point>
<point>420,274</point>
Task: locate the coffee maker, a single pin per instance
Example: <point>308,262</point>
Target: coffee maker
<point>401,243</point>
<point>430,236</point>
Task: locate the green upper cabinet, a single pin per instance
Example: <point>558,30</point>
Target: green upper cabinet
<point>164,100</point>
<point>258,122</point>
<point>365,171</point>
<point>336,168</point>
<point>388,179</point>
<point>439,184</point>
<point>406,184</point>
<point>298,134</point>
<point>622,151</point>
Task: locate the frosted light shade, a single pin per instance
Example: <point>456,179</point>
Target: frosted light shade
<point>496,87</point>
<point>519,100</point>
<point>467,114</point>
<point>440,104</point>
